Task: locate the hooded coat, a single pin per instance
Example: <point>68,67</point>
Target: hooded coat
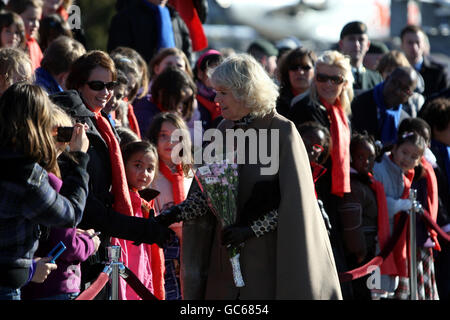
<point>294,261</point>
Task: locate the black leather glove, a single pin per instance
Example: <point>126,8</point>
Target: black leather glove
<point>161,234</point>
<point>235,235</point>
<point>169,216</point>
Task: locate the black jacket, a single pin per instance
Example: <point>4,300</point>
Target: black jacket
<point>435,76</point>
<point>98,213</point>
<point>365,114</point>
<point>134,26</point>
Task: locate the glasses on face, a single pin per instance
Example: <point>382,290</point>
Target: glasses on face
<point>97,85</point>
<point>297,67</point>
<point>334,79</point>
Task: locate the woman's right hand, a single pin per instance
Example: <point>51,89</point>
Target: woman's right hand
<point>79,141</point>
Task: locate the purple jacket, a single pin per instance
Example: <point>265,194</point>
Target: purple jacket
<point>67,277</point>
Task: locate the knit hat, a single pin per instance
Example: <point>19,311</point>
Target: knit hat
<point>354,27</point>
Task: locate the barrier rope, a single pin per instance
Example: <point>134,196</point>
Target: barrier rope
<point>427,217</point>
<point>379,259</point>
<point>93,290</point>
<point>137,285</point>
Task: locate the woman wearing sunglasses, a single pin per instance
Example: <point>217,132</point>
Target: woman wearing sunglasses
<point>328,103</point>
<point>295,73</point>
<point>91,82</point>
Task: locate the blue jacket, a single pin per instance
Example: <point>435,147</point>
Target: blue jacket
<point>28,200</point>
<point>46,81</point>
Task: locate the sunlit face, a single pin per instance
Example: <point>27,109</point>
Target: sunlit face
<point>31,17</point>
<point>301,73</point>
<point>363,157</point>
<point>356,46</point>
<point>140,170</point>
<point>398,90</point>
<point>407,155</point>
<point>172,60</point>
<point>116,98</point>
<point>165,144</point>
<point>10,37</point>
<point>232,108</point>
<point>97,100</point>
<point>328,90</point>
<point>413,45</point>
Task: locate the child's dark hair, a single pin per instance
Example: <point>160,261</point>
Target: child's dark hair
<point>167,90</point>
<point>436,113</point>
<point>50,28</point>
<point>417,125</point>
<point>410,136</point>
<point>315,126</point>
<point>139,146</point>
<point>126,135</point>
<point>358,138</point>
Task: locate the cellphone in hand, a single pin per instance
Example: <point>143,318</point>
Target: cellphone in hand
<point>64,134</point>
<point>56,251</point>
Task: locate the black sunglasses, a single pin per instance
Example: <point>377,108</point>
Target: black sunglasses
<point>301,67</point>
<point>97,85</point>
<point>334,79</point>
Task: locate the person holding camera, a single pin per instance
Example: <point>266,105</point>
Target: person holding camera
<point>90,85</point>
<point>27,199</point>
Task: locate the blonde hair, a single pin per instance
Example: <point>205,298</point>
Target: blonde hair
<point>14,61</point>
<point>392,60</point>
<point>61,118</point>
<point>248,82</point>
<point>336,59</point>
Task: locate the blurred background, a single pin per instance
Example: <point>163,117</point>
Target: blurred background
<point>316,23</point>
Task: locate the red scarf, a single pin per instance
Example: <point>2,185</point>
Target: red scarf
<point>132,121</point>
<point>122,200</point>
<point>340,151</point>
<point>432,198</point>
<point>388,266</point>
<point>176,179</point>
<point>401,250</point>
<point>317,171</point>
<point>189,14</point>
<point>211,106</point>
<point>35,53</point>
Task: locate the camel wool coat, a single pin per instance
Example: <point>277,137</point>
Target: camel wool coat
<point>295,261</point>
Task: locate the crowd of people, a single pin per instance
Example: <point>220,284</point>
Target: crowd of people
<point>354,134</point>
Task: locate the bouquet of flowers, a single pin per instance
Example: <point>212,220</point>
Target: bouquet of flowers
<point>219,181</point>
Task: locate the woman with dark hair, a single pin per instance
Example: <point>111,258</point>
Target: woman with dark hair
<point>295,74</point>
<point>92,80</point>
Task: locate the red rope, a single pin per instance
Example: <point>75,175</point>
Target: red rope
<point>137,286</point>
<point>426,216</point>
<point>91,292</point>
<point>379,259</point>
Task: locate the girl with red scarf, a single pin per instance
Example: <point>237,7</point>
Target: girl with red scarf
<point>31,12</point>
<point>144,260</point>
<point>173,181</point>
<point>396,173</point>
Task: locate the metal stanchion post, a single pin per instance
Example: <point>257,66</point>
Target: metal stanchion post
<point>413,245</point>
<point>114,256</point>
